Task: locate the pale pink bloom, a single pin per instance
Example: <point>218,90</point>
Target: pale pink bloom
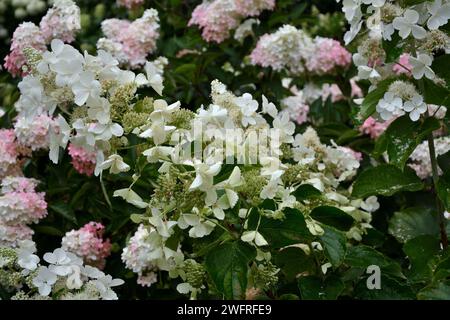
<point>329,55</point>
<point>83,161</point>
<point>218,17</point>
<point>88,244</point>
<point>26,35</point>
<point>403,61</point>
<point>129,3</point>
<point>11,235</point>
<point>9,151</point>
<point>131,42</point>
<point>62,22</point>
<point>374,128</point>
<point>20,203</point>
<point>33,132</point>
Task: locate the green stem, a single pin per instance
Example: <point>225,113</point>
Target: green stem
<point>439,206</point>
<point>105,194</point>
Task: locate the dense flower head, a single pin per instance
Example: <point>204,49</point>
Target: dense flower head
<point>131,42</point>
<point>26,35</point>
<point>12,235</point>
<point>20,203</point>
<point>8,151</point>
<point>288,48</point>
<point>60,275</point>
<point>33,132</point>
<point>328,56</point>
<point>88,244</point>
<point>217,18</point>
<point>83,161</point>
<point>373,128</point>
<point>293,50</point>
<point>62,21</point>
<point>420,158</point>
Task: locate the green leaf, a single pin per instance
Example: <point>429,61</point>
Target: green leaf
<point>334,244</point>
<point>332,216</point>
<point>52,231</point>
<point>392,49</point>
<point>280,233</point>
<point>362,256</point>
<point>306,191</point>
<point>435,94</point>
<point>442,270</point>
<point>420,251</point>
<point>293,261</point>
<point>443,189</point>
<point>64,210</point>
<point>368,106</point>
<point>413,222</point>
<point>385,180</point>
<point>313,288</point>
<point>404,135</point>
<point>437,291</point>
<point>227,266</point>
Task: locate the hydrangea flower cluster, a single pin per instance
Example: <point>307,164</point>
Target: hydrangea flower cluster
<point>65,277</point>
<point>33,132</point>
<point>295,51</point>
<point>420,158</point>
<point>87,243</point>
<point>82,160</point>
<point>373,128</point>
<point>131,42</point>
<point>20,205</point>
<point>61,21</point>
<point>25,36</point>
<point>217,18</point>
<point>191,200</point>
<point>96,88</point>
<point>9,153</point>
<point>417,27</point>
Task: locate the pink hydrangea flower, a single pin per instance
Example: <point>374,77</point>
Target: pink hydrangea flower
<point>328,56</point>
<point>62,21</point>
<point>9,151</point>
<point>404,61</point>
<point>82,160</point>
<point>88,244</point>
<point>129,3</point>
<point>20,203</point>
<point>251,8</point>
<point>26,35</point>
<point>218,17</point>
<point>12,235</point>
<point>131,42</point>
<point>374,128</point>
<point>33,132</point>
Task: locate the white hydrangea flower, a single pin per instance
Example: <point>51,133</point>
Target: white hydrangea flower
<point>407,24</point>
<point>440,13</point>
<point>389,106</point>
<point>115,164</point>
<point>421,66</point>
<point>415,107</point>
